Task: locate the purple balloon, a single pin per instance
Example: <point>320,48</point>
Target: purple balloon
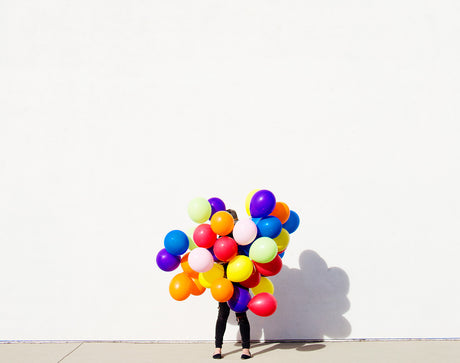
<point>211,249</point>
<point>240,299</point>
<point>217,205</point>
<point>262,203</point>
<point>167,261</point>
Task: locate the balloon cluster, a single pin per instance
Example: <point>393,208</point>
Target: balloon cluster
<point>233,258</point>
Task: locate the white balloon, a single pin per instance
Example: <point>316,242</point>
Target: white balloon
<point>200,259</point>
<point>244,231</point>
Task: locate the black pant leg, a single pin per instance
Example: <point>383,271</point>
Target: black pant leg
<point>221,323</point>
<point>245,329</point>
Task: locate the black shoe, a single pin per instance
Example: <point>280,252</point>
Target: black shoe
<point>245,356</point>
<point>217,356</point>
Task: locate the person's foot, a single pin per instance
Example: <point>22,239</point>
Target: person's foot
<point>217,353</point>
<point>246,354</point>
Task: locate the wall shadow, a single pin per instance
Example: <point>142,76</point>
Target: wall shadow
<point>311,303</point>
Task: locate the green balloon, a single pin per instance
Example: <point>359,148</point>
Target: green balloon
<point>191,242</point>
<point>199,210</point>
<point>263,250</point>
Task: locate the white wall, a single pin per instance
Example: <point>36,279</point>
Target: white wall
<point>115,114</point>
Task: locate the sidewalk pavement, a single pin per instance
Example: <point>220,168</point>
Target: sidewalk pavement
<point>431,351</point>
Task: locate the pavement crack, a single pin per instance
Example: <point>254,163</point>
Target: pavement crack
<point>64,357</point>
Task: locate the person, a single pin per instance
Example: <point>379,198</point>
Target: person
<point>221,323</point>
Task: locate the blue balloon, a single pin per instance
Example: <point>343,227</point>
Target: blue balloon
<point>244,250</point>
<point>166,261</point>
<point>257,220</point>
<point>269,227</point>
<point>240,299</point>
<point>281,254</point>
<point>292,223</point>
<point>176,242</point>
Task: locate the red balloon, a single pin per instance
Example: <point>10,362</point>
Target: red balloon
<point>270,268</point>
<point>225,248</point>
<point>252,280</point>
<point>263,304</point>
<point>204,236</point>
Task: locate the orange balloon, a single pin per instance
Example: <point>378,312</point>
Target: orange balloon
<point>180,286</point>
<point>222,289</point>
<point>197,288</point>
<point>222,223</point>
<point>186,267</point>
<point>281,212</point>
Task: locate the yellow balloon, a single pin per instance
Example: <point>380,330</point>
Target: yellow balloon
<point>265,285</point>
<point>248,201</point>
<point>239,268</point>
<point>207,278</point>
<point>282,240</point>
<point>191,243</point>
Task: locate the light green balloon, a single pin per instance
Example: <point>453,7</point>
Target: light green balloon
<point>199,210</point>
<point>191,242</point>
<point>263,250</point>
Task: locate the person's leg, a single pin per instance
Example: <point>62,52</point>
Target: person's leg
<point>221,325</point>
<point>245,331</point>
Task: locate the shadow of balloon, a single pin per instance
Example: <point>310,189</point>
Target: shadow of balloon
<point>311,303</point>
<point>263,348</point>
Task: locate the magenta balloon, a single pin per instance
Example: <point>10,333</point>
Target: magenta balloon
<point>262,203</point>
<point>225,248</point>
<point>263,304</point>
<point>204,236</point>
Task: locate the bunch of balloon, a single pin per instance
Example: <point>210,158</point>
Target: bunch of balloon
<point>275,222</point>
<point>233,258</point>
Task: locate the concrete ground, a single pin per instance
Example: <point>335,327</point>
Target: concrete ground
<point>125,352</point>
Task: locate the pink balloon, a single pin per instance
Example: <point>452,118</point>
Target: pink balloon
<point>244,231</point>
<point>200,259</point>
